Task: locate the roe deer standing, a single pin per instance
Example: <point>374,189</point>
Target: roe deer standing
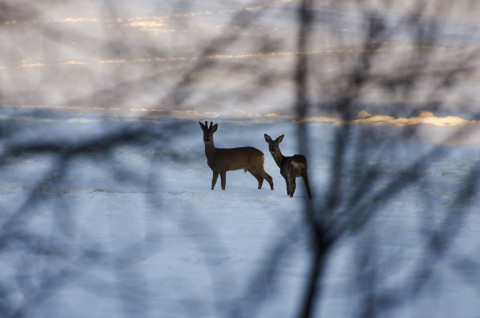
<point>290,167</point>
<point>221,160</point>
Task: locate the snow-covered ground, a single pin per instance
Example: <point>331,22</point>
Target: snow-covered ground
<point>137,232</point>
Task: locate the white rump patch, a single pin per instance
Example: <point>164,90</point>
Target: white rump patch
<point>296,164</point>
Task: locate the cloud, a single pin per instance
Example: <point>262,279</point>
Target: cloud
<point>425,117</point>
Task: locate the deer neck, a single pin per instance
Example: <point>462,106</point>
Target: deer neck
<point>210,151</point>
<point>279,157</point>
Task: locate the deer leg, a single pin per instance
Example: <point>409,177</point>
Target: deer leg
<point>288,185</point>
<point>258,177</point>
<point>260,182</point>
<point>307,185</point>
<point>269,179</point>
<point>214,179</point>
<point>292,186</point>
<point>223,179</point>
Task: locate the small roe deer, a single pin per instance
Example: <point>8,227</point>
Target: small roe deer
<point>290,167</point>
<point>221,160</point>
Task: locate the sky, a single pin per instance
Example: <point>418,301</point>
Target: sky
<point>196,60</point>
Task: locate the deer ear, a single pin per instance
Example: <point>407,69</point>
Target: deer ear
<point>202,126</point>
<point>279,139</point>
<point>214,128</point>
<point>267,138</point>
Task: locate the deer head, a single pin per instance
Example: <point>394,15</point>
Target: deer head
<point>273,145</point>
<point>208,131</point>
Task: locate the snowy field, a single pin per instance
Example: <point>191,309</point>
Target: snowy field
<point>135,231</point>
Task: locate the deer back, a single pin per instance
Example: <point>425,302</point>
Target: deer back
<point>246,158</point>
